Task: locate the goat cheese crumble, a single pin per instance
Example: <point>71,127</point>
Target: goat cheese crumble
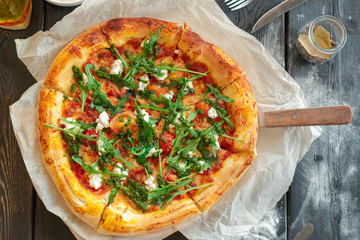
<point>146,115</point>
<point>102,121</point>
<point>202,164</point>
<point>119,169</point>
<point>191,153</point>
<point>117,67</point>
<point>182,165</point>
<point>217,142</point>
<point>143,42</point>
<point>163,77</point>
<point>144,81</point>
<point>169,95</point>
<point>150,185</point>
<point>189,86</point>
<point>85,79</point>
<point>212,113</point>
<point>99,143</point>
<point>95,181</point>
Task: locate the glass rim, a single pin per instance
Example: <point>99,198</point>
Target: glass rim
<point>338,25</point>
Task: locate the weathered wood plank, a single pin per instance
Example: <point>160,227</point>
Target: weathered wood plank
<point>326,187</point>
<point>16,191</point>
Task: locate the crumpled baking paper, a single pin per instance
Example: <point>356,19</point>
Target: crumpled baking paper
<point>279,149</point>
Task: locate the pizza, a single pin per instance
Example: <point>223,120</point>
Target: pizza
<point>143,124</point>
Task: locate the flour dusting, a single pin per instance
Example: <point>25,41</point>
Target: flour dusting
<point>267,228</point>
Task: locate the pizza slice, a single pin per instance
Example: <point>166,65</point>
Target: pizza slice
<point>83,192</point>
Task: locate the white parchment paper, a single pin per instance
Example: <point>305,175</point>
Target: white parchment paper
<point>279,149</point>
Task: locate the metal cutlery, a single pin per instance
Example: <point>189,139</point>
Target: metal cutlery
<point>276,12</point>
<point>237,4</point>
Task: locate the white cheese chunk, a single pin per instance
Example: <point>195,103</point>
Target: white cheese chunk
<point>176,51</point>
<point>143,42</point>
<point>176,120</point>
<point>95,181</point>
<point>163,77</point>
<point>85,79</point>
<point>126,89</point>
<point>189,86</point>
<point>182,165</point>
<point>99,143</point>
<point>70,126</point>
<point>202,164</point>
<point>217,142</point>
<point>146,115</point>
<point>151,152</point>
<point>191,153</point>
<point>117,67</point>
<point>169,95</point>
<point>102,121</point>
<point>119,169</point>
<point>212,113</point>
<point>150,185</point>
<point>144,81</point>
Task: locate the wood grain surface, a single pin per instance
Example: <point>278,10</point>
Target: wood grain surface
<point>16,191</point>
<point>326,186</point>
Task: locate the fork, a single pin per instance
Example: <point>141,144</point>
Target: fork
<point>237,4</point>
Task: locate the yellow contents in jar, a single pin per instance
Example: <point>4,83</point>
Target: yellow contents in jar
<point>322,37</point>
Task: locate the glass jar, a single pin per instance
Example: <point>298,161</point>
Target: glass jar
<point>321,39</point>
<point>15,14</point>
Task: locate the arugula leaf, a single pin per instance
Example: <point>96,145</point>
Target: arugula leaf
<point>116,78</point>
<point>78,75</point>
<point>164,195</point>
<point>110,149</point>
<point>218,94</point>
<point>112,195</point>
<point>173,83</point>
<point>221,111</point>
<point>116,54</point>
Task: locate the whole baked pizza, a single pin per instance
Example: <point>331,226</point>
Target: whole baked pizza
<point>143,124</point>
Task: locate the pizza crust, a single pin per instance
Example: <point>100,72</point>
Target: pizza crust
<point>85,204</point>
<point>121,219</point>
<point>229,173</point>
<point>244,116</point>
<point>60,75</point>
<point>194,48</point>
<point>120,30</point>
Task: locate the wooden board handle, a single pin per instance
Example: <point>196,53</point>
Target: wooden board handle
<point>332,115</point>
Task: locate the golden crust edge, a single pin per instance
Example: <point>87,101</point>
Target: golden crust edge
<point>60,74</point>
<point>224,70</point>
<point>121,219</point>
<point>244,112</point>
<point>230,173</point>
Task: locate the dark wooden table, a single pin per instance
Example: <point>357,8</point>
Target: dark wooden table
<point>326,186</point>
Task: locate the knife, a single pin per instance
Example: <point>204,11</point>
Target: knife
<point>276,12</point>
